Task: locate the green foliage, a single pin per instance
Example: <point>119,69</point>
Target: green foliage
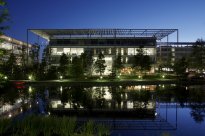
<point>180,66</point>
<point>49,126</point>
<point>4,16</point>
<point>102,130</point>
<point>64,62</point>
<point>4,125</point>
<point>118,62</point>
<point>11,69</point>
<point>77,68</point>
<point>87,62</point>
<point>52,73</point>
<point>88,129</point>
<point>117,65</point>
<point>142,62</point>
<point>197,59</point>
<point>100,64</point>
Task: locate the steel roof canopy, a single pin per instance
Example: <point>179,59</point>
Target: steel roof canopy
<point>157,33</point>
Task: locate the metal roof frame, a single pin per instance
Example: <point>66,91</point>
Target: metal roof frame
<point>156,33</point>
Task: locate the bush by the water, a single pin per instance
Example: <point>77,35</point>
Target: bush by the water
<point>51,126</point>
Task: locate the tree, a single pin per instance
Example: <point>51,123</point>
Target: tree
<point>118,63</point>
<point>180,66</point>
<point>77,67</point>
<point>87,62</point>
<point>52,73</point>
<point>64,62</point>
<point>197,60</point>
<point>141,62</point>
<point>100,64</point>
<point>166,63</point>
<point>11,64</point>
<point>2,53</point>
<point>4,16</point>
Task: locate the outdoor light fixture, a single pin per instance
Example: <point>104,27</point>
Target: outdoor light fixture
<point>163,76</point>
<point>101,77</point>
<point>61,77</point>
<point>30,89</point>
<point>10,115</point>
<point>118,76</point>
<point>6,77</point>
<point>139,76</point>
<point>30,77</point>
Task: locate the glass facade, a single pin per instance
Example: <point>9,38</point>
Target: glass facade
<point>110,47</point>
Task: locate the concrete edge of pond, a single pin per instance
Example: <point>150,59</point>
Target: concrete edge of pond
<point>110,82</point>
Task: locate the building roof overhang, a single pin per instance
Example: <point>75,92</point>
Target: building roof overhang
<point>156,33</point>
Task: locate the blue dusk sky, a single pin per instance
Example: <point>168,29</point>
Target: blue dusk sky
<point>185,15</point>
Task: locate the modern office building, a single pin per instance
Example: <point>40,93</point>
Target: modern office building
<point>17,47</point>
<point>110,42</point>
<point>172,51</point>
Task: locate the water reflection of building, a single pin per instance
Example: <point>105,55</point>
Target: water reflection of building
<point>8,110</point>
<point>114,98</point>
<point>124,108</point>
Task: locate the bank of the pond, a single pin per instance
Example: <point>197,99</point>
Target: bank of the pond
<point>102,82</point>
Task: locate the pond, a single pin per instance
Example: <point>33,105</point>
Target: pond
<point>128,110</point>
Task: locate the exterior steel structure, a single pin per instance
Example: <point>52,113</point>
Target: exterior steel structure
<point>111,42</point>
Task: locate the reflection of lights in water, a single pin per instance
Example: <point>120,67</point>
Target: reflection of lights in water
<point>49,113</point>
<point>107,95</point>
<point>30,106</point>
<point>30,89</point>
<point>21,109</point>
<point>162,86</point>
<point>61,89</point>
<point>101,77</point>
<point>155,114</point>
<point>10,115</point>
<point>186,87</point>
<point>36,102</point>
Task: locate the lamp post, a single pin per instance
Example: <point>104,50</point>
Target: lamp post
<point>61,77</point>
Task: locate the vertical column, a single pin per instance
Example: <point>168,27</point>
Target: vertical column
<point>177,36</point>
<point>27,47</point>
